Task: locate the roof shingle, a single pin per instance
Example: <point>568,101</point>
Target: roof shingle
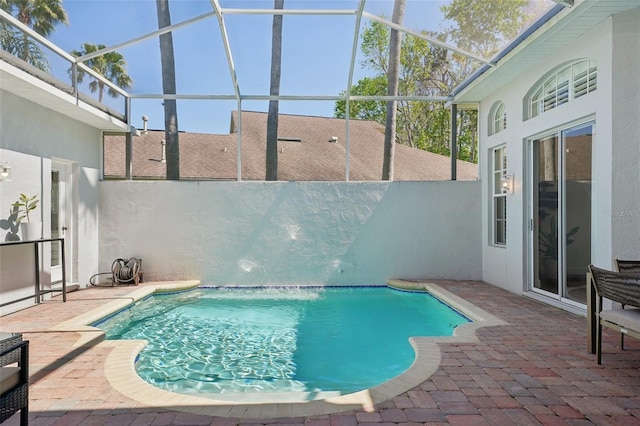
<point>307,151</point>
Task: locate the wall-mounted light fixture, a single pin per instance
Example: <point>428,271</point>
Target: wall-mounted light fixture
<point>5,172</point>
<point>507,183</point>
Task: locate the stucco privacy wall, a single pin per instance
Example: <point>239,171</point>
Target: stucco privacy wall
<point>30,136</point>
<point>507,266</point>
<point>254,233</point>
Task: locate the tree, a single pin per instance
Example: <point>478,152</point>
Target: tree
<point>467,135</point>
<point>169,87</point>
<point>111,65</point>
<point>483,27</point>
<point>365,110</point>
<point>14,43</point>
<point>40,15</point>
<point>272,118</point>
<point>424,70</point>
<point>395,42</point>
<point>429,70</point>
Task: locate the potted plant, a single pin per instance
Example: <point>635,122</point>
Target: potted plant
<point>30,230</point>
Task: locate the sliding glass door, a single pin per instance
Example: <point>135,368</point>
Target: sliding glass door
<point>561,212</point>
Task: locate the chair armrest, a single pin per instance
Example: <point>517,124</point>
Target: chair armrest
<point>23,362</point>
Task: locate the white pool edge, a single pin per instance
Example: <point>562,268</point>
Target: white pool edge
<point>119,368</point>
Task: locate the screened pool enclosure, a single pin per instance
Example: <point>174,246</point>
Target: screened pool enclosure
<point>332,63</point>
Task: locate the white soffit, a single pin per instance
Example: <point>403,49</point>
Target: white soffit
<point>565,27</point>
<point>24,85</point>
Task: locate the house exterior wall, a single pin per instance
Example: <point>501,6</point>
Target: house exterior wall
<point>30,137</point>
<point>613,106</point>
<point>289,233</point>
<point>624,213</point>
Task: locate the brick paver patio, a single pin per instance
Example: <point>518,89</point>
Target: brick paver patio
<point>534,371</point>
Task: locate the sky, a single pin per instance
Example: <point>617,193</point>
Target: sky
<point>316,53</point>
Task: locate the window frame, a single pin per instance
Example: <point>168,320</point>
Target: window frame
<point>497,118</point>
<point>498,236</point>
<point>564,84</point>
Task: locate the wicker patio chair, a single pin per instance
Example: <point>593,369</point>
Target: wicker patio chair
<point>623,288</point>
<point>14,382</point>
<point>627,266</point>
<point>632,266</point>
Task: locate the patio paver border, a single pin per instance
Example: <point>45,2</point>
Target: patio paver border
<point>120,363</point>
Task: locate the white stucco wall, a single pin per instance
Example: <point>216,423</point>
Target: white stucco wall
<point>30,137</point>
<point>507,266</point>
<point>625,110</point>
<point>254,233</point>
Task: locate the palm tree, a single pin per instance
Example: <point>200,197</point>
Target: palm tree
<point>13,42</point>
<point>111,65</point>
<point>272,118</point>
<point>395,41</point>
<point>42,16</point>
<point>169,87</point>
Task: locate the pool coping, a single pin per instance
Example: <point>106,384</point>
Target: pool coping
<point>119,368</point>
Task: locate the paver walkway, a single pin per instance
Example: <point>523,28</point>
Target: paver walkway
<point>534,371</point>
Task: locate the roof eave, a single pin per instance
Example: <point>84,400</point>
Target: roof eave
<point>22,84</point>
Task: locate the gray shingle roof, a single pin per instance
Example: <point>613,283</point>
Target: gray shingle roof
<point>305,153</point>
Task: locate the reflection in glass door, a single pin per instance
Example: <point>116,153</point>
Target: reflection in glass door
<point>561,212</point>
<point>545,196</point>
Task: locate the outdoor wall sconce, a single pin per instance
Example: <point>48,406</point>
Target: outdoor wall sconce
<point>5,172</point>
<point>507,183</point>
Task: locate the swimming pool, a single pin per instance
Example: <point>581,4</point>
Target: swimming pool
<point>212,341</point>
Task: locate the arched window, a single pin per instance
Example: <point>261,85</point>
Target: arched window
<point>561,86</point>
<point>497,118</point>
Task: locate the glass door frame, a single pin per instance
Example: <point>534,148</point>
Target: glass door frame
<point>65,203</point>
<point>532,213</point>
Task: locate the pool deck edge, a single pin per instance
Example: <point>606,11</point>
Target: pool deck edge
<point>119,368</point>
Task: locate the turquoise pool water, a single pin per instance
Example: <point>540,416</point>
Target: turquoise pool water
<point>227,341</point>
